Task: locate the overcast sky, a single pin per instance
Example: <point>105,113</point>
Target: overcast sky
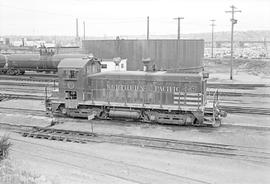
<point>128,17</point>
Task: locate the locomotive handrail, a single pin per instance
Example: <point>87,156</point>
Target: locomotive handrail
<point>178,98</point>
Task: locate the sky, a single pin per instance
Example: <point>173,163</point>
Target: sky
<point>128,17</point>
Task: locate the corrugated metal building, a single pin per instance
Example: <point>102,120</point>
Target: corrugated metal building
<point>166,54</point>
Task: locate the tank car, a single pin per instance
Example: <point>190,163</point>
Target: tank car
<point>17,64</point>
<point>147,96</point>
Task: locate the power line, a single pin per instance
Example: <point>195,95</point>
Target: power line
<point>233,21</point>
<point>178,39</point>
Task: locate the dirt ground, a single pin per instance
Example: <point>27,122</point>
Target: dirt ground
<point>244,71</point>
<point>108,163</point>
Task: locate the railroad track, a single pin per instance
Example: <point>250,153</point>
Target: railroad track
<point>24,111</point>
<point>210,92</point>
<point>246,110</point>
<point>243,110</point>
<point>202,148</point>
<point>228,109</point>
<point>34,84</point>
<point>54,78</point>
<point>235,86</point>
<point>236,94</point>
<point>137,173</point>
<point>30,78</point>
<point>5,97</point>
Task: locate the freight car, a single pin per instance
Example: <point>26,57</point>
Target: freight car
<point>148,96</point>
<point>17,64</point>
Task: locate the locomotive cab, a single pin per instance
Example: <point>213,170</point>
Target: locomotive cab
<point>72,73</point>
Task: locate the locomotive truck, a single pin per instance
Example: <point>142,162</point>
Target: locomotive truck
<point>166,97</point>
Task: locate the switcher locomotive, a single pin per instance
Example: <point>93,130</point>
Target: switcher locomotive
<point>148,96</point>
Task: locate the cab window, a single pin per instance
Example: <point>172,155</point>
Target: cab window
<point>71,74</point>
<point>72,95</point>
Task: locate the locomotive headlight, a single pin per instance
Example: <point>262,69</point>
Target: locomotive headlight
<point>70,85</point>
<point>205,75</point>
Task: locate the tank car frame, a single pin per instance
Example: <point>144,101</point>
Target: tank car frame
<point>46,61</point>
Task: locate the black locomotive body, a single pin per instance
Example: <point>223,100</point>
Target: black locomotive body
<point>147,96</point>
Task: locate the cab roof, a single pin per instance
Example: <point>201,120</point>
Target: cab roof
<point>75,62</point>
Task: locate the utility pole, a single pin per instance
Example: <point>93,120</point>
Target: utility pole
<point>234,21</point>
<point>178,39</point>
<point>212,48</point>
<point>147,28</point>
<point>77,28</point>
<point>83,30</point>
<point>178,20</point>
<point>147,54</point>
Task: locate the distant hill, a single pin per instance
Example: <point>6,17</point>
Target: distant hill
<point>219,36</point>
<point>238,36</point>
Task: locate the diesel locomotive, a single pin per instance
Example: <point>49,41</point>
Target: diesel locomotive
<point>166,97</point>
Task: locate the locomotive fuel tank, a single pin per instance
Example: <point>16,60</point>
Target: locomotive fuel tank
<point>120,113</point>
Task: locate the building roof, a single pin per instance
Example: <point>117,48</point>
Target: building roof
<point>73,63</point>
<point>112,61</point>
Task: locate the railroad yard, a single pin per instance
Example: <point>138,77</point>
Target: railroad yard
<point>134,92</point>
<point>102,151</point>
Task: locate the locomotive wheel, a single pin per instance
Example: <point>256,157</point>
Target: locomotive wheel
<point>10,72</point>
<point>17,72</point>
<point>62,109</point>
<point>217,123</point>
<point>196,123</point>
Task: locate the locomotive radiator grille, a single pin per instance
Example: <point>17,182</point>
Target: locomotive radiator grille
<point>187,99</point>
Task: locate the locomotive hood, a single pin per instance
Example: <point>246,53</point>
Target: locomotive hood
<point>141,75</point>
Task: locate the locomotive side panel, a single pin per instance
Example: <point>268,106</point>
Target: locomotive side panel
<point>143,89</point>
